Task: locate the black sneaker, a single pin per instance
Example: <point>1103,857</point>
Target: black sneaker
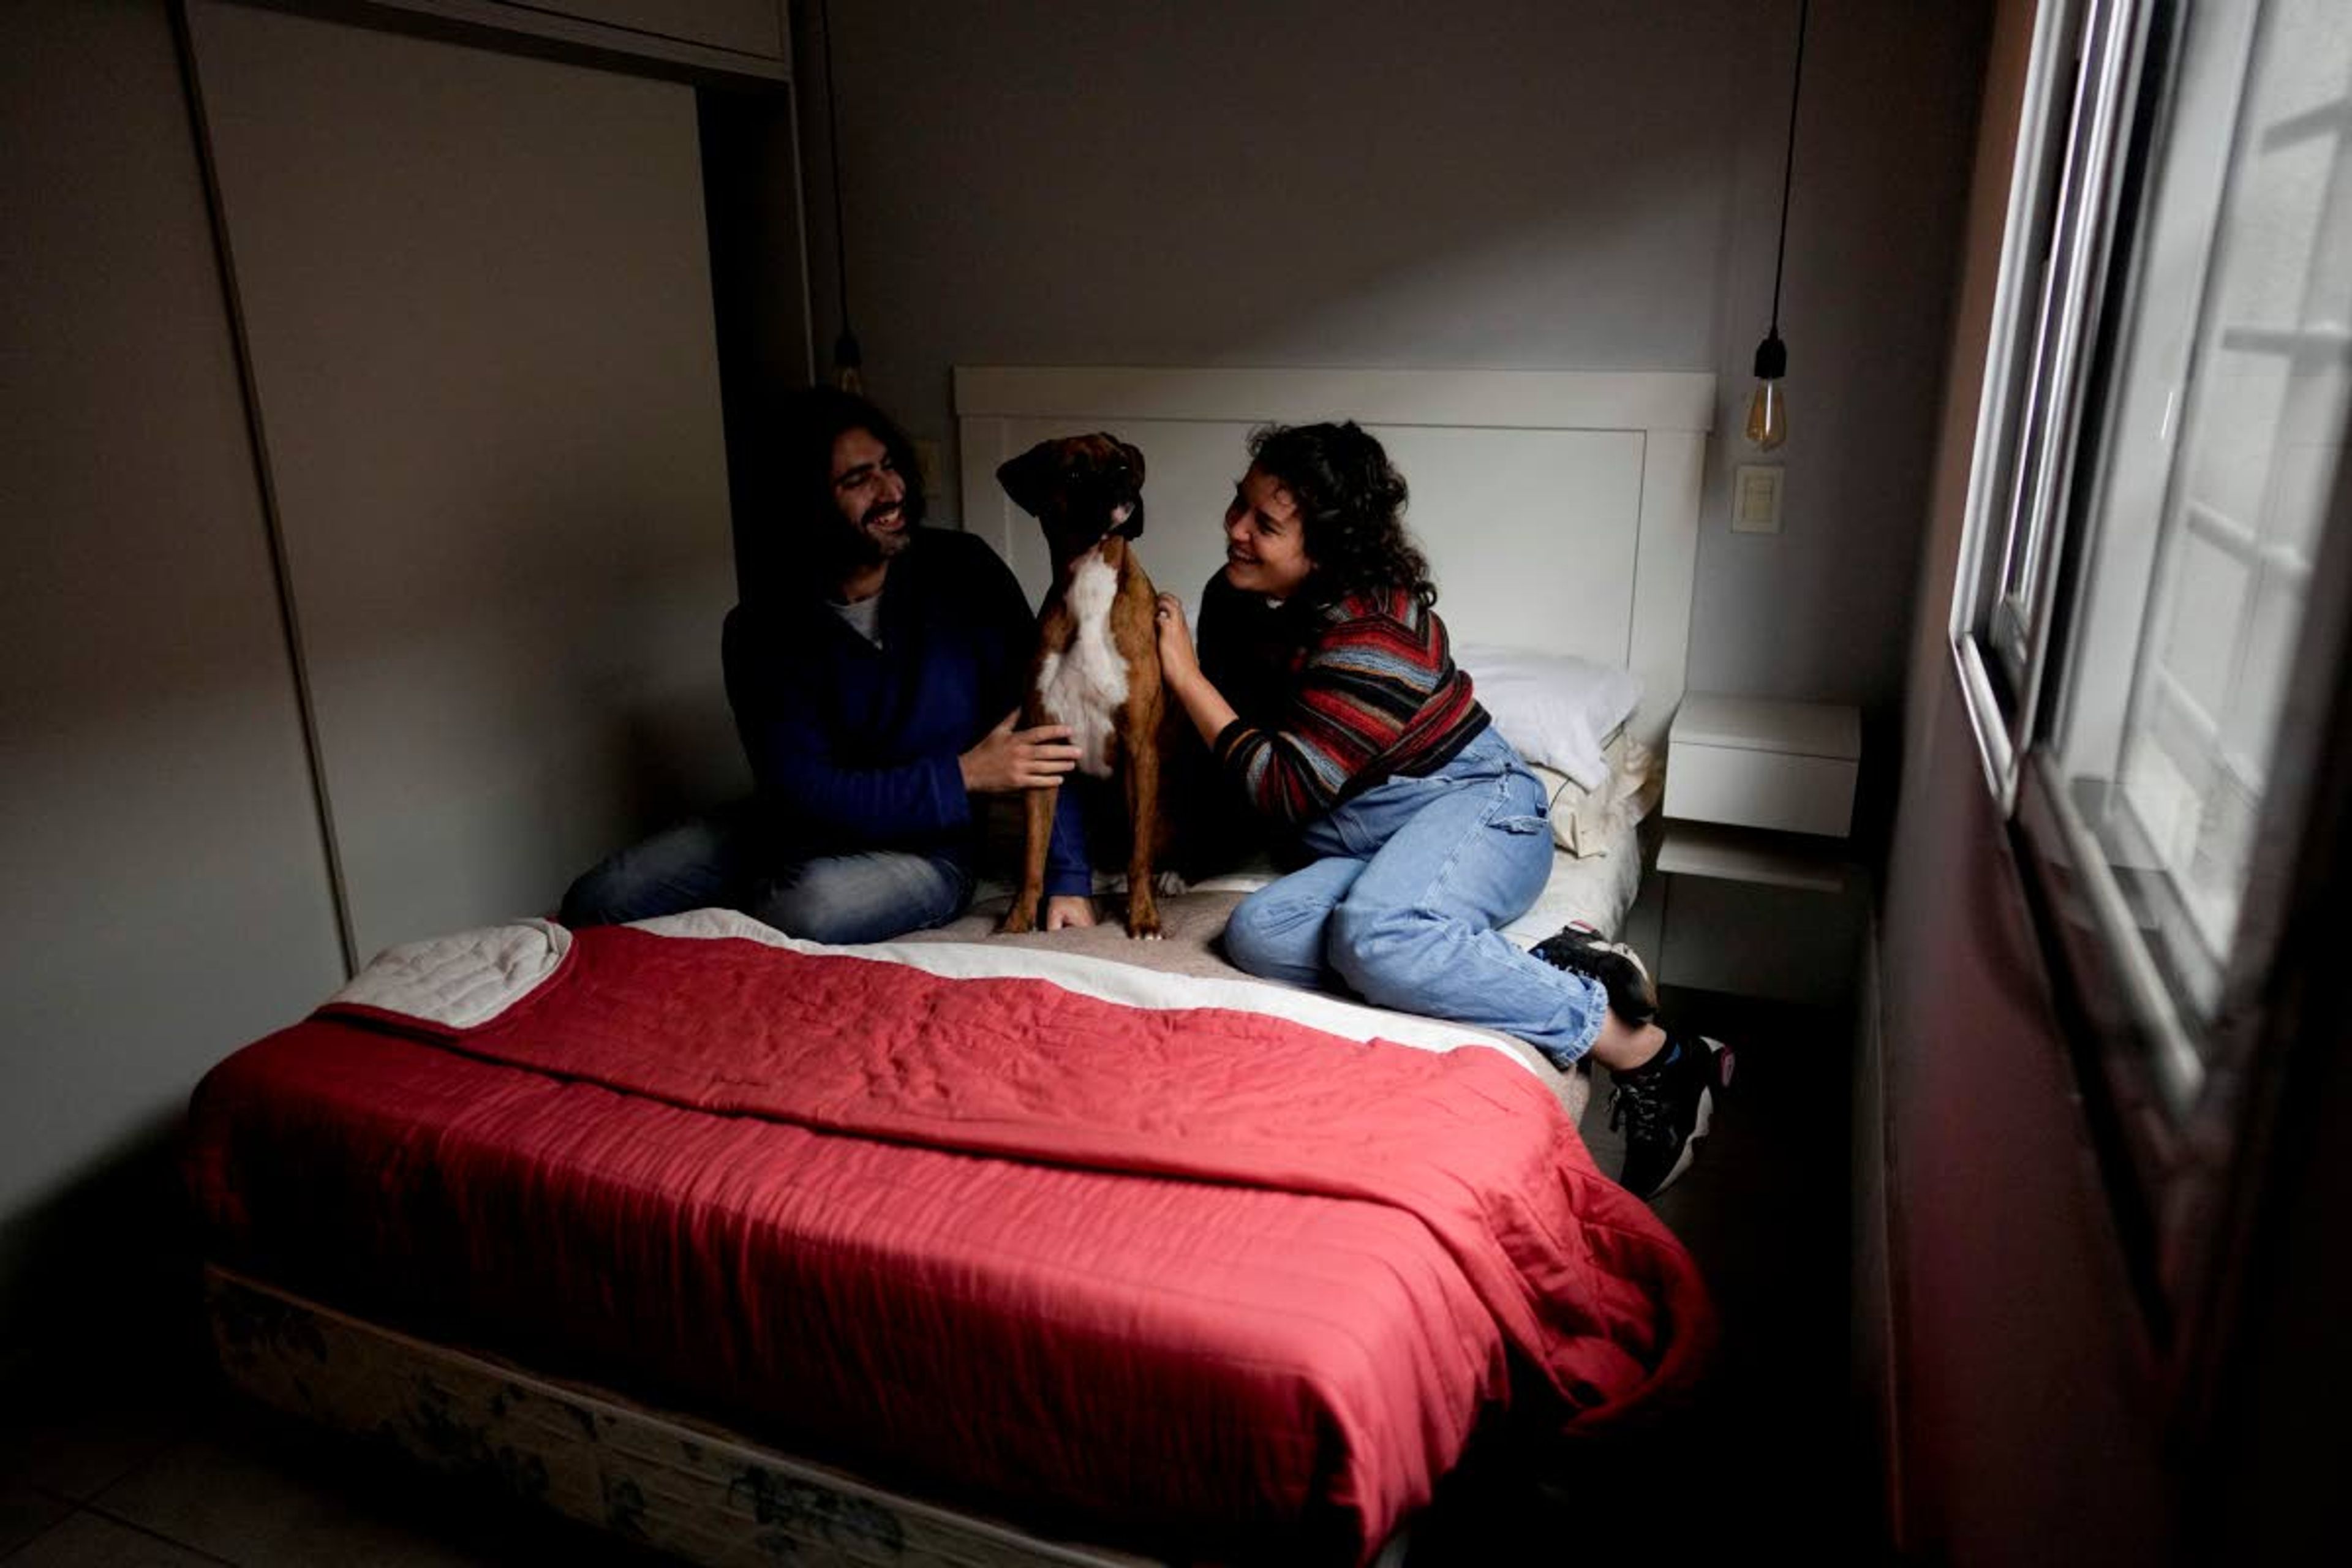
<point>1583,950</point>
<point>1665,1108</point>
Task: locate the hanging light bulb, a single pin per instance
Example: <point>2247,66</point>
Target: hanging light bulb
<point>1768,407</point>
<point>1768,410</point>
<point>848,363</point>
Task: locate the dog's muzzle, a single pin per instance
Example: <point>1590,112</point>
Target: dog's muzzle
<point>1074,535</point>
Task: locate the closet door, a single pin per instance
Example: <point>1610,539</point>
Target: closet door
<point>476,291</point>
<point>163,891</point>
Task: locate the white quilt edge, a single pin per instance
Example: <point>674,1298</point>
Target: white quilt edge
<point>1109,980</point>
<point>468,978</point>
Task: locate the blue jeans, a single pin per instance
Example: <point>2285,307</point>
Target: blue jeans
<point>721,859</point>
<point>1413,877</point>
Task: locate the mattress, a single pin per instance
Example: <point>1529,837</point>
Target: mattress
<point>1094,1248</point>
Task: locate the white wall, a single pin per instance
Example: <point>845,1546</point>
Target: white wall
<point>1523,184</point>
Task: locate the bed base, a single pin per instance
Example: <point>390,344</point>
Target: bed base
<point>666,1481</point>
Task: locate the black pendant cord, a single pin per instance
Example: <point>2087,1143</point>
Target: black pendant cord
<point>1788,168</point>
<point>848,339</point>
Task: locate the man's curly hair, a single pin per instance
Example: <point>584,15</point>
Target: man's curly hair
<point>1350,500</point>
<point>805,549</point>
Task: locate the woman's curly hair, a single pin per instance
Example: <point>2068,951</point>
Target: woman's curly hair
<point>1350,500</point>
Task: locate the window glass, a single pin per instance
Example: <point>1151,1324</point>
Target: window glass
<point>2225,424</point>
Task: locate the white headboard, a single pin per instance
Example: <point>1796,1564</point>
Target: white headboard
<point>1558,509</point>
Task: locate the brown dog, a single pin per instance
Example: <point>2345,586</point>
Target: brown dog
<point>1097,664</point>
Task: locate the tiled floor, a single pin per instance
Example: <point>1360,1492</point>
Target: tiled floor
<point>188,1477</point>
<point>171,1475</point>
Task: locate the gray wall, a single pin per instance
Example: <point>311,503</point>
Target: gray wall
<point>1521,184</point>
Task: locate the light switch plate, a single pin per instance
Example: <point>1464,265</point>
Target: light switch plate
<point>1756,497</point>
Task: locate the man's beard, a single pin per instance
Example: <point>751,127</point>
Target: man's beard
<point>863,544</point>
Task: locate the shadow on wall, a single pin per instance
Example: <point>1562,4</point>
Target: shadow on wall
<point>98,1277</point>
<point>541,667</point>
<point>1513,186</point>
<point>645,678</point>
<point>675,753</point>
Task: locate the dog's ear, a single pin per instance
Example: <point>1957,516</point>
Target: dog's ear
<point>1029,478</point>
<point>1134,455</point>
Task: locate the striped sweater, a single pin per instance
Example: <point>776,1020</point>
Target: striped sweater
<point>1365,691</point>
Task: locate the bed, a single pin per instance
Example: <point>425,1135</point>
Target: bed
<point>964,1250</point>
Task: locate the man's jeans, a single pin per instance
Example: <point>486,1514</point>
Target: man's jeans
<point>717,859</point>
<point>1414,876</point>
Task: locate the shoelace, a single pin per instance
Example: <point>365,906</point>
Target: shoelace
<point>1642,1107</point>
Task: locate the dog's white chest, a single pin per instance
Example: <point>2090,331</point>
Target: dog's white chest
<point>1083,684</point>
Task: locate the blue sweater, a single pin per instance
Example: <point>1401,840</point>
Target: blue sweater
<point>854,746</point>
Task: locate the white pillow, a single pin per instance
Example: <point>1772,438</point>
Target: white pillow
<point>1554,708</point>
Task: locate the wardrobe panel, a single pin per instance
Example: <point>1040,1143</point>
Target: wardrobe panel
<point>164,891</point>
<point>477,293</point>
<point>733,37</point>
<point>749,26</point>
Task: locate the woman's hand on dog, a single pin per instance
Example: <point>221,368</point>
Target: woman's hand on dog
<point>1180,671</point>
<point>1178,663</point>
<point>1007,759</point>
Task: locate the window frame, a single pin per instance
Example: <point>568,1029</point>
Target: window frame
<point>2049,309</point>
<point>2185,1171</point>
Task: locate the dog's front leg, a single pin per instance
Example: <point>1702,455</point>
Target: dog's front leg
<point>1022,916</point>
<point>1142,777</point>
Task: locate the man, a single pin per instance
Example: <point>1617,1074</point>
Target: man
<point>875,670</point>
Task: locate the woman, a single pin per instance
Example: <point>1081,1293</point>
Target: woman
<point>1330,700</point>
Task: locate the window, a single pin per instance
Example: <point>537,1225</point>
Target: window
<point>2163,420</point>
<point>2052,256</point>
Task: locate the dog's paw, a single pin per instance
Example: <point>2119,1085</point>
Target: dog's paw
<point>1017,923</point>
<point>1142,915</point>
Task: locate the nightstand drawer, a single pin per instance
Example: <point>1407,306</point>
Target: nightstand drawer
<point>1761,789</point>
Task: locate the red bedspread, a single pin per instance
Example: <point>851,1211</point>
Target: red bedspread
<point>1215,1276</point>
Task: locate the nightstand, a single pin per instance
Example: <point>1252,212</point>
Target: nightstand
<point>1760,893</point>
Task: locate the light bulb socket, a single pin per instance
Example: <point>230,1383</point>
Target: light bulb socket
<point>1772,358</point>
<point>847,354</point>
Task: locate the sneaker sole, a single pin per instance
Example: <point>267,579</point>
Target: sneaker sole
<point>1630,956</point>
<point>1719,1068</point>
<point>1600,944</point>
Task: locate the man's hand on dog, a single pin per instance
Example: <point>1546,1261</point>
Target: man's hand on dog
<point>1008,758</point>
<point>1068,912</point>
